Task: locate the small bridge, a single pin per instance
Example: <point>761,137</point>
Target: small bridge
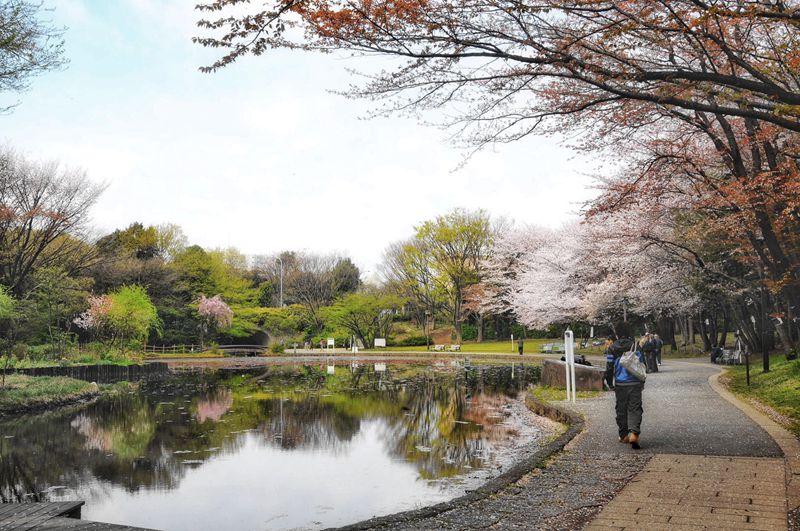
<point>242,350</point>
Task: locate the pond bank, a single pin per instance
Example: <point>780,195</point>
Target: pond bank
<point>27,394</point>
<point>453,514</point>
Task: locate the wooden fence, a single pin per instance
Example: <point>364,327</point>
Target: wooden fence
<point>100,373</point>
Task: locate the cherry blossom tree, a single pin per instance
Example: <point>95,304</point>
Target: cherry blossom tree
<point>95,317</point>
<point>215,315</point>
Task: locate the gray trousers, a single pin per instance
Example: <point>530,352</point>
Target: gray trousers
<point>629,408</point>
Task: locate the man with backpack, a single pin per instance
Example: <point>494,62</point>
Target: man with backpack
<point>627,387</point>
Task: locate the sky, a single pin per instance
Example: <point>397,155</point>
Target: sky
<point>261,156</point>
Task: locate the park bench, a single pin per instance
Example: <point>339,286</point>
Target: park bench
<point>553,348</point>
<point>455,348</point>
<point>438,347</point>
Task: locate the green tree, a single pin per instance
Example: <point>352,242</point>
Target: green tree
<point>365,315</point>
<point>132,314</point>
<point>7,304</point>
<point>136,240</point>
<point>48,309</point>
<point>345,277</point>
<point>456,242</point>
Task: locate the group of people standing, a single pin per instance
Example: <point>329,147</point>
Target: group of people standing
<point>626,385</point>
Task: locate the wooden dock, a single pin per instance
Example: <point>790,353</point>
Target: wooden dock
<point>51,516</point>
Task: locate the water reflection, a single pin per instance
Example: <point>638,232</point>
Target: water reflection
<point>402,426</point>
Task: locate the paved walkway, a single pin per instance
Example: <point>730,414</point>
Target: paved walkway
<point>704,464</point>
<point>732,475</point>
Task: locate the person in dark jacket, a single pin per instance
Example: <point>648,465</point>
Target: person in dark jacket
<point>609,379</point>
<point>659,345</point>
<point>648,347</point>
<point>627,389</point>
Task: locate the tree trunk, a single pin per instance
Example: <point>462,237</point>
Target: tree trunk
<point>480,328</point>
<point>457,315</point>
<point>723,335</point>
<point>704,334</point>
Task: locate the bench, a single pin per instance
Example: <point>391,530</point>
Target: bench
<point>553,348</point>
<point>455,348</point>
<point>438,348</point>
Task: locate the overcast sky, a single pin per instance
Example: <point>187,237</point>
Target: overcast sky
<point>260,156</point>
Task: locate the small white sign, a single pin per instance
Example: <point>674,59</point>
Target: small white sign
<point>380,367</point>
<point>331,342</point>
<point>380,342</point>
<point>331,369</point>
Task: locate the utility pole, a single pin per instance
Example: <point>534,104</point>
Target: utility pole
<point>280,304</point>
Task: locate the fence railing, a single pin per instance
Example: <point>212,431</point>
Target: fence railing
<point>173,349</point>
<point>193,349</point>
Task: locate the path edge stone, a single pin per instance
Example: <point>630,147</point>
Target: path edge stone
<point>573,421</point>
<point>788,443</point>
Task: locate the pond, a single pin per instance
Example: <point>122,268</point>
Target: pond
<point>281,447</point>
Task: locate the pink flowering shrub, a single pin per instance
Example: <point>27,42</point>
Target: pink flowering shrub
<point>215,312</point>
<point>96,315</point>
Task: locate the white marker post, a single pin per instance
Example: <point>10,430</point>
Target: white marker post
<point>569,357</point>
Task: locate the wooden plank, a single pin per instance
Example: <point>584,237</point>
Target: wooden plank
<point>50,515</point>
<point>24,516</point>
<point>71,524</point>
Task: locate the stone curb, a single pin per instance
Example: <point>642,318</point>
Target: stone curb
<point>785,439</point>
<point>575,424</point>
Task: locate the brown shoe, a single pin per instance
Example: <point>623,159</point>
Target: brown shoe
<point>634,440</point>
<point>624,439</point>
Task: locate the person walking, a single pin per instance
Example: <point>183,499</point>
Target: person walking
<point>627,389</point>
<point>609,379</point>
<point>648,347</point>
<point>520,345</point>
<point>659,345</point>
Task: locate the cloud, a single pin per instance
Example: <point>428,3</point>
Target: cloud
<point>261,156</point>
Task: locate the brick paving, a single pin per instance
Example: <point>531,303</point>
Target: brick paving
<point>687,492</point>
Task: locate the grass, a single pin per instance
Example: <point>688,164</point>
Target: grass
<point>778,389</point>
<point>28,392</point>
<point>532,346</point>
<point>83,359</point>
<point>547,394</point>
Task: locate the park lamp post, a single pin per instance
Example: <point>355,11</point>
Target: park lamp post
<point>280,261</point>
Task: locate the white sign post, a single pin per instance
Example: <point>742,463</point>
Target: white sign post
<point>569,357</point>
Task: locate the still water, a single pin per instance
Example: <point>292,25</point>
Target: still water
<point>275,448</point>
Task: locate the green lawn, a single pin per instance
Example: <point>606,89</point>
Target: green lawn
<point>532,346</point>
<point>28,392</point>
<point>546,394</point>
<point>779,388</point>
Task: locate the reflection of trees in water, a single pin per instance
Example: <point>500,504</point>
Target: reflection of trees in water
<point>144,439</point>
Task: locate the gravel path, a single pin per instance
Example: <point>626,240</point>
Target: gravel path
<point>683,415</point>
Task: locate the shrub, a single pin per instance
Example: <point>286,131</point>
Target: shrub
<point>277,347</point>
<point>469,332</point>
<point>411,341</point>
<point>20,351</point>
